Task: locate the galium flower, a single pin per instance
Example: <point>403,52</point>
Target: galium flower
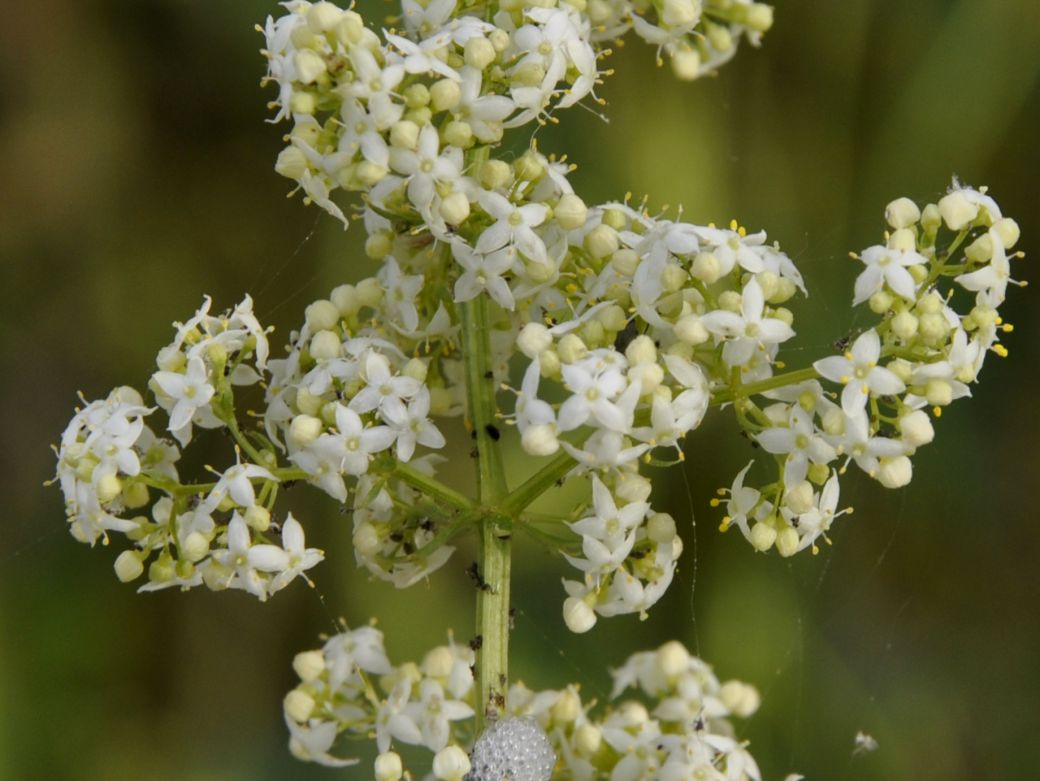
<point>859,372</point>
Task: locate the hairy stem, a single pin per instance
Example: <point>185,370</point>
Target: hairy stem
<point>492,670</point>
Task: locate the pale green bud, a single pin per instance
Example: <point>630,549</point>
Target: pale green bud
<point>980,250</point>
<point>309,665</point>
<point>916,428</point>
<point>570,212</point>
<point>370,292</point>
<point>661,528</point>
<point>931,219</point>
<point>567,707</point>
<point>378,245</point>
<point>351,27</point>
<point>720,38</point>
<point>458,133</point>
<point>307,402</point>
<point>291,163</point>
<point>762,536</point>
<point>496,174</point>
<point>540,440</point>
<point>615,218</point>
<point>904,325</point>
<point>601,241</point>
<point>529,74</point>
<point>550,363</point>
<point>681,13</point>
<point>533,339</point>
<point>593,333</point>
<point>108,488</point>
<point>625,262</point>
<point>578,615</point>
<point>833,421</point>
<point>479,52</point>
<point>918,273</point>
<point>529,167</point>
<point>587,739</point>
<point>706,267</point>
<point>310,66</point>
<point>632,487</point>
<point>648,375</point>
<point>613,317</point>
<point>933,327</point>
<point>930,304</point>
<point>438,662</point>
<point>799,499</point>
<point>161,570</point>
<point>451,764</point>
<point>641,350</point>
<point>1008,232</point>
<point>417,96</point>
<point>957,211</point>
<point>673,278</point>
<point>416,368</point>
<point>196,547</point>
<point>322,315</point>
<point>895,472</point>
<point>388,767</point>
<point>880,302</point>
<point>759,17</point>
<point>455,208</point>
<point>369,174</point>
<point>571,348</point>
<point>304,429</point>
<point>740,699</point>
<point>366,539</point>
<point>445,95</point>
<point>257,517</point>
<point>938,392</point>
<point>729,300</point>
<point>128,566</point>
<point>901,369</point>
<point>325,346</point>
<point>818,473</point>
<point>784,315</point>
<point>499,39</point>
<point>672,659</point>
<point>690,330</point>
<point>323,16</point>
<point>404,135</point>
<point>787,542</point>
<point>298,705</point>
<point>135,495</point>
<point>686,63</point>
<point>902,239</point>
<point>902,213</point>
<point>344,298</point>
<point>785,289</point>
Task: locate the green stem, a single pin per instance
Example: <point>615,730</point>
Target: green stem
<point>492,669</point>
<point>772,383</point>
<point>432,487</point>
<point>537,484</point>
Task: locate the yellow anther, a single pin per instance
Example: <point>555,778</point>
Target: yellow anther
<point>1000,350</point>
<point>937,411</point>
<point>725,524</point>
<point>733,225</point>
<point>815,550</point>
<point>742,231</point>
<point>780,365</point>
<point>721,491</point>
<point>1007,328</point>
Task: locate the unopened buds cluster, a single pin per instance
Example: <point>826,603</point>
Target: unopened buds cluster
<point>600,335</point>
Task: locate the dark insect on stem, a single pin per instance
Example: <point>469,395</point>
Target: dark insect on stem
<point>289,484</point>
<point>474,453</point>
<point>473,570</point>
<point>427,525</point>
<point>842,343</point>
<point>396,536</point>
<point>493,432</point>
<point>626,335</point>
<point>489,375</point>
<point>477,643</point>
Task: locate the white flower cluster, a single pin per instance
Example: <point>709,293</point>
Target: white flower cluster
<point>923,354</point>
<point>111,467</point>
<point>350,688</point>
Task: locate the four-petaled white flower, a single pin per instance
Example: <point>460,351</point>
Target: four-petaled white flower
<point>484,272</point>
<point>748,332</point>
<point>859,372</point>
<point>887,266</point>
<point>190,392</point>
<point>514,225</point>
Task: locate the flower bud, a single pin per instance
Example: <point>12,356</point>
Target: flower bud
<point>529,167</point>
<point>587,739</point>
<point>691,330</point>
<point>298,705</point>
<point>762,536</point>
<point>934,327</point>
<point>305,428</point>
<point>578,616</point>
<point>135,495</point>
<point>625,261</point>
<point>980,250</point>
<point>904,325</point>
<point>601,241</point>
<point>495,174</point>
<point>880,302</point>
<point>833,421</point>
<point>672,659</point>
<point>322,315</point>
<point>1008,232</point>
<point>323,16</point>
<point>931,219</point>
<point>916,428</point>
<point>310,66</point>
<point>451,764</point>
<point>455,208</point>
<point>686,63</point>
<point>895,472</point>
<point>787,542</point>
<point>903,239</point>
<point>309,665</point>
<point>325,346</point>
<point>344,298</point>
<point>404,135</point>
<point>479,52</point>
<point>759,17</point>
<point>388,767</point>
<point>533,339</point>
<point>108,488</point>
<point>438,662</point>
<point>196,547</point>
<point>902,213</point>
<point>351,28</point>
<point>800,498</point>
<point>550,363</point>
<point>571,348</point>
<point>366,539</point>
<point>739,698</point>
<point>641,350</point>
<point>570,211</point>
<point>567,707</point>
<point>445,95</point>
<point>291,163</point>
<point>540,440</point>
<point>661,528</point>
<point>632,487</point>
<point>128,566</point>
<point>257,517</point>
<point>370,292</point>
<point>673,278</point>
<point>957,211</point>
<point>417,96</point>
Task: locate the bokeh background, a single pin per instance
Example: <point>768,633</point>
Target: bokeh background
<point>136,174</point>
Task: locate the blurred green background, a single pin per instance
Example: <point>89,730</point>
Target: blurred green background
<point>137,174</point>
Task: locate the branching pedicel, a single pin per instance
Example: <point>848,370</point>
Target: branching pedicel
<point>635,325</point>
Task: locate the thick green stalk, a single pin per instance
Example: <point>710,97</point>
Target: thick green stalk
<point>492,574</point>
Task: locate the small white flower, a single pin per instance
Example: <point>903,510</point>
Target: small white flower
<point>484,272</point>
<point>887,266</point>
<point>748,332</point>
<point>412,424</point>
<point>859,372</point>
<point>189,392</point>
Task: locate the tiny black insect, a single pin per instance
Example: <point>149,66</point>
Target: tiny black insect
<point>493,432</point>
<point>477,642</point>
<point>474,572</point>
